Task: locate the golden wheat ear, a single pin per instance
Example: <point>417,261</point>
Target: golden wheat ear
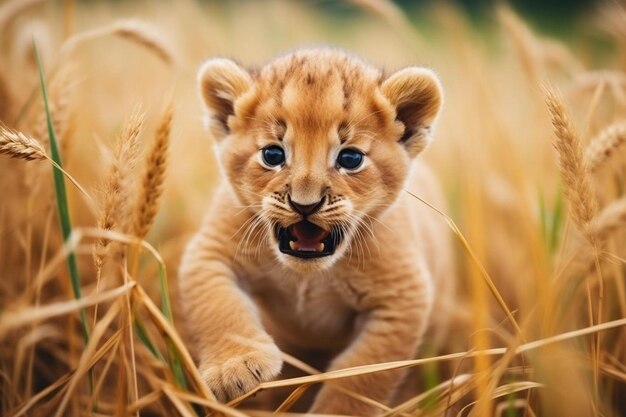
<point>417,95</point>
<point>221,82</point>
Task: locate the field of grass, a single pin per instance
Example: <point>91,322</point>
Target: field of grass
<point>103,182</point>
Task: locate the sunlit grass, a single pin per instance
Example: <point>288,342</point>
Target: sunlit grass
<point>542,301</point>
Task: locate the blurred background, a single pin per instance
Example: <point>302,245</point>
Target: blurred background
<point>493,153</point>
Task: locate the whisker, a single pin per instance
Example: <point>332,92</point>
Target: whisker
<point>375,219</point>
<point>244,224</point>
<point>245,240</point>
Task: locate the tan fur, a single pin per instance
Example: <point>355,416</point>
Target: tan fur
<point>371,300</point>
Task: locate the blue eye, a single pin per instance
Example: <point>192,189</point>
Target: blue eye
<point>273,155</point>
<point>350,159</point>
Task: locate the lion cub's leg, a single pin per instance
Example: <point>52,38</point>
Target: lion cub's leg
<point>395,317</point>
<point>236,353</point>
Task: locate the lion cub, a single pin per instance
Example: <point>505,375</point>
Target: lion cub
<point>311,241</point>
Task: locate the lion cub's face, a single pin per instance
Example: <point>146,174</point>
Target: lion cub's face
<point>317,144</point>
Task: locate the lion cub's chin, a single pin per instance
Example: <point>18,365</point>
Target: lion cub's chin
<point>308,265</point>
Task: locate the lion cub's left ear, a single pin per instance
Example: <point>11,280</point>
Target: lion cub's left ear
<point>221,82</point>
<point>417,96</point>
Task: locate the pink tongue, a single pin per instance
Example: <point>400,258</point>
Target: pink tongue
<point>308,235</point>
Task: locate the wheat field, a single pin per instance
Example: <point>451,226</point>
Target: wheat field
<point>104,178</point>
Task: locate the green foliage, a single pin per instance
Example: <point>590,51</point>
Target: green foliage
<point>61,198</point>
<point>552,221</point>
<point>63,208</point>
<point>174,357</point>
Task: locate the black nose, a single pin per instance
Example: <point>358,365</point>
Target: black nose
<point>305,209</point>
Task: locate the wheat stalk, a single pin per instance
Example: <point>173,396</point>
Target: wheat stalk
<point>556,55</point>
<point>115,186</point>
<point>611,20</point>
<point>133,30</point>
<point>590,80</point>
<point>153,177</point>
<point>524,42</point>
<point>609,220</point>
<point>10,10</point>
<point>146,35</point>
<point>18,145</point>
<point>111,190</point>
<point>573,166</point>
<point>605,145</point>
<point>5,98</point>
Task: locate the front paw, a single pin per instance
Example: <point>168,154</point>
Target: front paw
<point>236,371</point>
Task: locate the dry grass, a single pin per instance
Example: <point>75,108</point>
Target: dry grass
<point>539,308</point>
<point>9,10</point>
<point>574,169</point>
<point>133,30</point>
<point>610,220</point>
<point>18,145</point>
<point>147,203</point>
<point>605,145</point>
<point>524,42</point>
<point>116,188</point>
<point>146,36</point>
<point>5,98</point>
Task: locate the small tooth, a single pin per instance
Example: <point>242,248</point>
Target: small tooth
<point>320,247</point>
<point>292,245</point>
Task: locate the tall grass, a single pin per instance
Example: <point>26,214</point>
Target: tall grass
<point>61,197</point>
<point>534,176</point>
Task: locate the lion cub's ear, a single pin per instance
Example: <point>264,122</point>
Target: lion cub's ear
<point>221,82</point>
<point>417,96</point>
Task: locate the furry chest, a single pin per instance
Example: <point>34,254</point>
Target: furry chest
<point>305,313</point>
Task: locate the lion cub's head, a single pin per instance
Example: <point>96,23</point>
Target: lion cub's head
<point>316,144</point>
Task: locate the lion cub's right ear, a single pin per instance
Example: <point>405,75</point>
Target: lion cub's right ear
<point>221,82</point>
<point>417,95</point>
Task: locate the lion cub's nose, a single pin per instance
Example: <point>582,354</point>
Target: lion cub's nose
<point>305,209</point>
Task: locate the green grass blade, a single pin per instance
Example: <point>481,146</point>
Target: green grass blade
<point>510,409</point>
<point>63,209</point>
<point>557,222</point>
<point>61,198</point>
<point>166,307</point>
<point>140,329</point>
<point>431,379</point>
<point>552,221</point>
<point>543,217</point>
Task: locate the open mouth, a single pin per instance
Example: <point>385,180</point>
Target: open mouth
<point>306,240</point>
